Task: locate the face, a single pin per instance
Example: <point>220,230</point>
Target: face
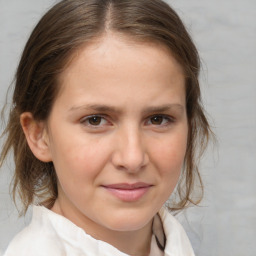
<point>117,134</point>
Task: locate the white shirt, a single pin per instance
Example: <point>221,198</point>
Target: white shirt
<point>52,234</point>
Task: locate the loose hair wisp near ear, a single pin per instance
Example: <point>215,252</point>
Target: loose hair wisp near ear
<point>61,32</point>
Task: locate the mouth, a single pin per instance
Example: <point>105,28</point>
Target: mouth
<point>128,192</point>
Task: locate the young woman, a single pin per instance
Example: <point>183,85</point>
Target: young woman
<point>105,122</point>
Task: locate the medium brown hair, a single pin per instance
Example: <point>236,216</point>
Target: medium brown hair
<point>61,32</point>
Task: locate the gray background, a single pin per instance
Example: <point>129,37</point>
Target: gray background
<point>225,33</point>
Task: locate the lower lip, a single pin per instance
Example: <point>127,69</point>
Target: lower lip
<point>128,195</point>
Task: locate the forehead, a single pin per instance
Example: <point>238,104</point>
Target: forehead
<point>112,42</point>
<point>112,63</point>
<point>106,50</point>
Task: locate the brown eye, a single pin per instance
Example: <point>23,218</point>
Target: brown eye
<point>95,120</point>
<point>157,120</point>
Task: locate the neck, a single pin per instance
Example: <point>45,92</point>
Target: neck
<point>136,243</point>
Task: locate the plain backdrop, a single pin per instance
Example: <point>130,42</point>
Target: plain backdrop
<point>225,33</point>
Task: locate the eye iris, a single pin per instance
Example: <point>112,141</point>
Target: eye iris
<point>157,120</point>
<point>95,120</point>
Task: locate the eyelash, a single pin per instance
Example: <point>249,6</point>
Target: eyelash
<point>168,120</point>
<point>87,119</point>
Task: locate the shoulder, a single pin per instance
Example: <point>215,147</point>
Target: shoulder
<point>36,239</point>
<point>177,242</point>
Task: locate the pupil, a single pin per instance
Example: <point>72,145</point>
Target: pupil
<point>95,120</point>
<point>157,120</point>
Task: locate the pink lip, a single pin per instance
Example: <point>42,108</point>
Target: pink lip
<point>128,192</point>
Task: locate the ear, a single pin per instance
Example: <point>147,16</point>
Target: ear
<point>37,136</point>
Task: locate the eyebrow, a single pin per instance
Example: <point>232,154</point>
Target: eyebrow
<point>109,108</point>
<point>95,107</point>
<point>163,108</point>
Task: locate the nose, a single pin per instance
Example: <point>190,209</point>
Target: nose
<point>130,152</point>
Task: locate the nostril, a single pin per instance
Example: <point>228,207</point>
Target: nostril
<point>134,162</point>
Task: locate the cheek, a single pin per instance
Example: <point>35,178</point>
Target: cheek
<point>80,158</point>
<point>169,155</point>
<point>168,158</point>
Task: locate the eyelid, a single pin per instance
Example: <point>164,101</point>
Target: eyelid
<point>170,119</point>
<point>86,118</point>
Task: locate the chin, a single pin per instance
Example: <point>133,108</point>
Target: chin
<point>128,222</point>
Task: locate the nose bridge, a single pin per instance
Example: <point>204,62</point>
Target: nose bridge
<point>130,154</point>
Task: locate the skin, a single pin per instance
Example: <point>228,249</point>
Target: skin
<point>138,134</point>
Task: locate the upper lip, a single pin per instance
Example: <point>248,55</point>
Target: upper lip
<point>128,186</point>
